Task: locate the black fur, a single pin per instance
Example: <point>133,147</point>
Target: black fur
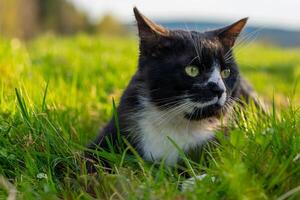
<point>161,76</point>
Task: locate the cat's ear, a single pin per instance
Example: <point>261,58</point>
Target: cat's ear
<point>229,34</point>
<point>147,28</point>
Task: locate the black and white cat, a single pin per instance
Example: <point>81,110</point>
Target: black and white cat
<point>185,82</point>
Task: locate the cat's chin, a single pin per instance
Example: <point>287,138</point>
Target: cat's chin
<point>197,114</point>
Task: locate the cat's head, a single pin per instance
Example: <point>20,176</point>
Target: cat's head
<point>188,71</point>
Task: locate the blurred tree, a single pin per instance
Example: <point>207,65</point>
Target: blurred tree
<point>26,18</point>
<point>111,26</point>
<point>61,17</point>
<point>18,18</point>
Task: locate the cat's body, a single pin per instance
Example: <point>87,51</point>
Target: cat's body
<point>179,92</point>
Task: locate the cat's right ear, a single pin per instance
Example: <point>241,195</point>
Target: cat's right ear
<point>148,30</point>
<point>229,34</point>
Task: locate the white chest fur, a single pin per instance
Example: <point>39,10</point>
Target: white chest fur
<point>155,127</point>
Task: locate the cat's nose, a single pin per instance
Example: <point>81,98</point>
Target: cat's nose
<point>215,89</point>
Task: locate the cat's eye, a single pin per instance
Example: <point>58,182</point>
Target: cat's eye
<point>192,71</point>
<point>225,73</point>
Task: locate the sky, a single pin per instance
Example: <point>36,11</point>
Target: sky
<point>268,13</point>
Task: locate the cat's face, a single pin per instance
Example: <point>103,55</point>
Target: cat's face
<point>186,71</point>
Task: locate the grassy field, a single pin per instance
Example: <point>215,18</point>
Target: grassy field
<point>55,93</point>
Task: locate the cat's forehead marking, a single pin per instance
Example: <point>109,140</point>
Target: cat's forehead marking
<point>215,77</point>
<point>216,65</point>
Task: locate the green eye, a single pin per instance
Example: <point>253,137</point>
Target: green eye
<point>192,71</point>
<point>225,73</point>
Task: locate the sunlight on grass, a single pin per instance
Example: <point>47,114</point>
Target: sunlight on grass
<point>55,93</point>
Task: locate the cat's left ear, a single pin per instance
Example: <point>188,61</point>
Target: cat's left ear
<point>147,28</point>
<point>229,34</point>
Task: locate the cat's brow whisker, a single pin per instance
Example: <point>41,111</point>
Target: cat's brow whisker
<point>248,36</point>
<point>245,44</point>
<point>198,47</point>
<point>194,42</point>
<point>245,41</point>
<point>193,60</point>
<point>242,40</point>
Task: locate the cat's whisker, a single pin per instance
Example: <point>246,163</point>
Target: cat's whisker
<point>193,60</point>
<point>245,41</point>
<point>167,103</point>
<point>237,100</point>
<point>172,115</point>
<point>163,107</point>
<point>197,44</point>
<point>188,123</point>
<point>194,42</point>
<point>175,98</point>
<point>248,36</point>
<point>175,114</point>
<point>169,113</point>
<point>158,100</point>
<point>185,107</point>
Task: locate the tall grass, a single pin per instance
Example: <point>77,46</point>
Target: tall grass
<point>55,93</point>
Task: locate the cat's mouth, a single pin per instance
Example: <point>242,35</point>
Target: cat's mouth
<point>214,110</point>
<point>204,102</point>
<point>212,101</point>
<point>210,108</point>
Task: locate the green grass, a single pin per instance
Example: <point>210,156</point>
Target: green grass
<point>55,93</point>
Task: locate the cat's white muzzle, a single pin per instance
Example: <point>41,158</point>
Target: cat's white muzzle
<point>222,99</point>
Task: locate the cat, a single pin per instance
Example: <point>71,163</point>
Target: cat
<point>185,82</point>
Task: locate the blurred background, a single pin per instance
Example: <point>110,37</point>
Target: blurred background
<point>275,22</point>
<point>91,45</point>
<point>63,61</point>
